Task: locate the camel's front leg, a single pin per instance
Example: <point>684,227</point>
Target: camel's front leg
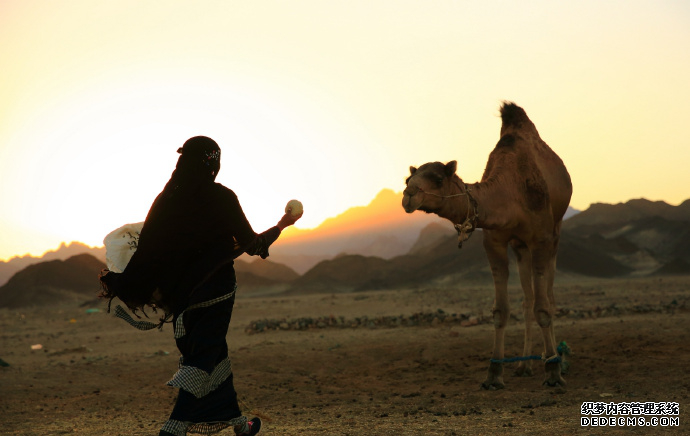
<point>542,265</point>
<point>524,259</point>
<point>496,250</point>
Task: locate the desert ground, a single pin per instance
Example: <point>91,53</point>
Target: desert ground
<point>96,375</point>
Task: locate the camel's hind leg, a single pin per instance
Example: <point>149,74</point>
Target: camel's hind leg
<point>551,272</point>
<point>543,264</point>
<point>497,252</point>
<point>524,260</point>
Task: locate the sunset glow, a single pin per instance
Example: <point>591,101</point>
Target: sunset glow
<point>323,101</point>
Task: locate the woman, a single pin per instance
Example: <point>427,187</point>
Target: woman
<point>184,265</point>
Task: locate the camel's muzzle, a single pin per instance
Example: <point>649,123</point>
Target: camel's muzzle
<point>408,202</point>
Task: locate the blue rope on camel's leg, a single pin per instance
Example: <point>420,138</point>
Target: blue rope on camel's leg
<point>562,351</point>
<point>515,359</point>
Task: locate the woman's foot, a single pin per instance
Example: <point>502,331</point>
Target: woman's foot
<point>252,427</point>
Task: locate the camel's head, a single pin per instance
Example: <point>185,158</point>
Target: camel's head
<point>427,185</point>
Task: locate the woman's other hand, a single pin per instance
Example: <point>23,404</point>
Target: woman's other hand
<point>288,220</point>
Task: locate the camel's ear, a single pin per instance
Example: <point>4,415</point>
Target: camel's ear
<point>450,168</point>
<point>412,170</point>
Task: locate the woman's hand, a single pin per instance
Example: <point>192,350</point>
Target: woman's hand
<point>288,220</point>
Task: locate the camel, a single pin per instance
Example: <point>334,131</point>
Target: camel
<point>520,201</point>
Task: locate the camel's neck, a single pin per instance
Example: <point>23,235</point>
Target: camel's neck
<point>488,206</point>
<point>459,209</point>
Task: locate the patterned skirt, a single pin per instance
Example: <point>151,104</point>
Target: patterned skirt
<point>207,401</point>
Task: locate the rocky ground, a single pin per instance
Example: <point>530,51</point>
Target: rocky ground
<point>404,362</point>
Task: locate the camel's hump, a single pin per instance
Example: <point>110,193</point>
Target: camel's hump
<point>512,114</point>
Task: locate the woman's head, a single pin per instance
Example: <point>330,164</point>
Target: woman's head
<point>200,156</point>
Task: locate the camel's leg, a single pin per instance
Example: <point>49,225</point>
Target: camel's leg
<point>551,272</point>
<point>524,260</point>
<point>497,252</point>
<point>542,272</point>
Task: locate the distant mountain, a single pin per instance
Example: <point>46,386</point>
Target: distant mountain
<point>643,236</point>
<point>435,258</point>
<point>75,278</point>
<point>344,273</point>
<point>378,246</point>
<point>266,269</point>
<point>262,275</point>
<point>380,229</point>
<point>431,237</point>
<point>589,257</point>
<point>594,244</point>
<point>570,212</point>
<point>602,217</point>
<point>64,251</point>
<point>54,281</point>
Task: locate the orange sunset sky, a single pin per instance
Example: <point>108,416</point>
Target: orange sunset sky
<point>324,101</point>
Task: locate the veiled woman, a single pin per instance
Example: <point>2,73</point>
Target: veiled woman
<point>184,265</point>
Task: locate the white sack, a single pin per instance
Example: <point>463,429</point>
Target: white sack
<point>120,245</point>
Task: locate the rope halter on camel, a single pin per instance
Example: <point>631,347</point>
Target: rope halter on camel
<point>468,226</point>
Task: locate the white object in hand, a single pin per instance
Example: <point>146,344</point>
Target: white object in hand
<point>294,207</point>
<point>120,245</point>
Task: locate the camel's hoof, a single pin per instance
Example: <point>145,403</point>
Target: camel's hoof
<point>493,385</point>
<point>494,380</point>
<point>523,371</point>
<point>553,375</point>
<point>553,383</point>
<point>559,384</point>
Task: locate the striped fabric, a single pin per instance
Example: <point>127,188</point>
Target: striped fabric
<point>121,313</point>
<point>178,428</point>
<point>197,381</point>
<point>208,428</point>
<point>179,323</point>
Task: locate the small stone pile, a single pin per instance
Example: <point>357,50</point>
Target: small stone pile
<point>416,319</point>
<point>440,317</point>
<point>615,310</point>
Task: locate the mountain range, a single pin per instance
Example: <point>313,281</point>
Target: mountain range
<point>380,228</point>
<point>53,281</point>
<point>380,247</point>
<point>64,251</point>
<point>637,238</point>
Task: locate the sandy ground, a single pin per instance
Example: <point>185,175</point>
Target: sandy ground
<point>96,375</point>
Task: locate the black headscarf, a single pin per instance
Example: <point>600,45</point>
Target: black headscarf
<point>175,243</point>
<point>199,160</point>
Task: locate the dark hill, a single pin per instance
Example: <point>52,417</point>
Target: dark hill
<point>602,218</point>
<point>675,267</point>
<point>266,269</point>
<point>431,238</point>
<point>63,252</point>
<point>262,275</point>
<point>55,281</point>
<point>433,257</point>
<point>585,256</point>
<point>640,236</point>
<point>344,273</point>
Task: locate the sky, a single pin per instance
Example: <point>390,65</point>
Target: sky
<point>324,101</point>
